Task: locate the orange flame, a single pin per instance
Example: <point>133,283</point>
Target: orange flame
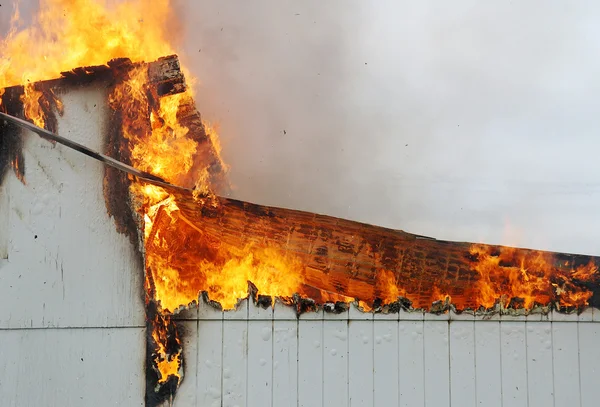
<point>527,275</point>
<point>181,259</point>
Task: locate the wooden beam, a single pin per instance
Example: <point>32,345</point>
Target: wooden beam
<point>372,263</point>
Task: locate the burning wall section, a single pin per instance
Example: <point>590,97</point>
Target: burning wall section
<point>196,243</point>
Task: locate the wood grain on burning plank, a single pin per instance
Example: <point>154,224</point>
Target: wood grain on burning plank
<point>348,257</point>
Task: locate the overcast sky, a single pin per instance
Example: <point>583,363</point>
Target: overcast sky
<point>461,120</point>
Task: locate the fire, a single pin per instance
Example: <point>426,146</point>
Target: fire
<point>168,364</point>
<point>185,260</point>
<point>73,33</point>
<point>31,104</point>
<point>530,276</point>
<point>186,256</point>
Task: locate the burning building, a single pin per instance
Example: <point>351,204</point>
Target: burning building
<point>149,287</point>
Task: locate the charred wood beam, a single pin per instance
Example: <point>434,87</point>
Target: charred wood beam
<point>11,145</point>
<point>348,258</point>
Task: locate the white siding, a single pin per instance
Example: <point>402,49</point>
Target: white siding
<point>72,327</point>
<point>67,265</point>
<point>355,359</point>
<point>72,367</point>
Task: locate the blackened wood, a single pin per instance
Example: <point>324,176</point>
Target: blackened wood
<point>11,143</point>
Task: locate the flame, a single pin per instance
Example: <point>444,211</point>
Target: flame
<point>166,355</point>
<point>32,106</point>
<point>166,363</point>
<point>530,276</point>
<point>73,33</point>
<point>194,261</point>
<point>182,257</point>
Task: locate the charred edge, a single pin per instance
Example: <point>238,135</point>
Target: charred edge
<point>382,308</point>
<point>303,305</point>
<point>335,307</point>
<point>49,104</point>
<point>117,198</point>
<point>158,393</point>
<point>595,299</point>
<point>440,307</point>
<point>166,76</point>
<point>263,301</point>
<point>11,143</point>
<point>215,304</point>
<point>190,117</point>
<point>114,69</point>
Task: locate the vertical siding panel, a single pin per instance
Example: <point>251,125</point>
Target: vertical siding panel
<point>565,350</point>
<point>385,363</point>
<point>187,391</point>
<point>411,361</point>
<point>539,364</point>
<point>514,364</point>
<point>335,360</point>
<point>310,360</point>
<point>589,357</point>
<point>260,356</point>
<point>4,213</point>
<point>235,356</point>
<point>462,363</point>
<point>488,368</point>
<point>360,348</point>
<point>437,363</point>
<point>68,367</point>
<point>210,356</point>
<point>285,356</point>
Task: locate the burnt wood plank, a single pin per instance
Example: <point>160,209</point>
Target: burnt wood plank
<point>372,263</point>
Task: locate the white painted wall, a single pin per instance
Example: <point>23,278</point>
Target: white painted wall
<point>254,357</point>
<point>72,329</point>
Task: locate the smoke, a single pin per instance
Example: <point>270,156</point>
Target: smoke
<point>458,120</point>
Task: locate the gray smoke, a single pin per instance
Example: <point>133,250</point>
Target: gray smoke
<point>460,120</point>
